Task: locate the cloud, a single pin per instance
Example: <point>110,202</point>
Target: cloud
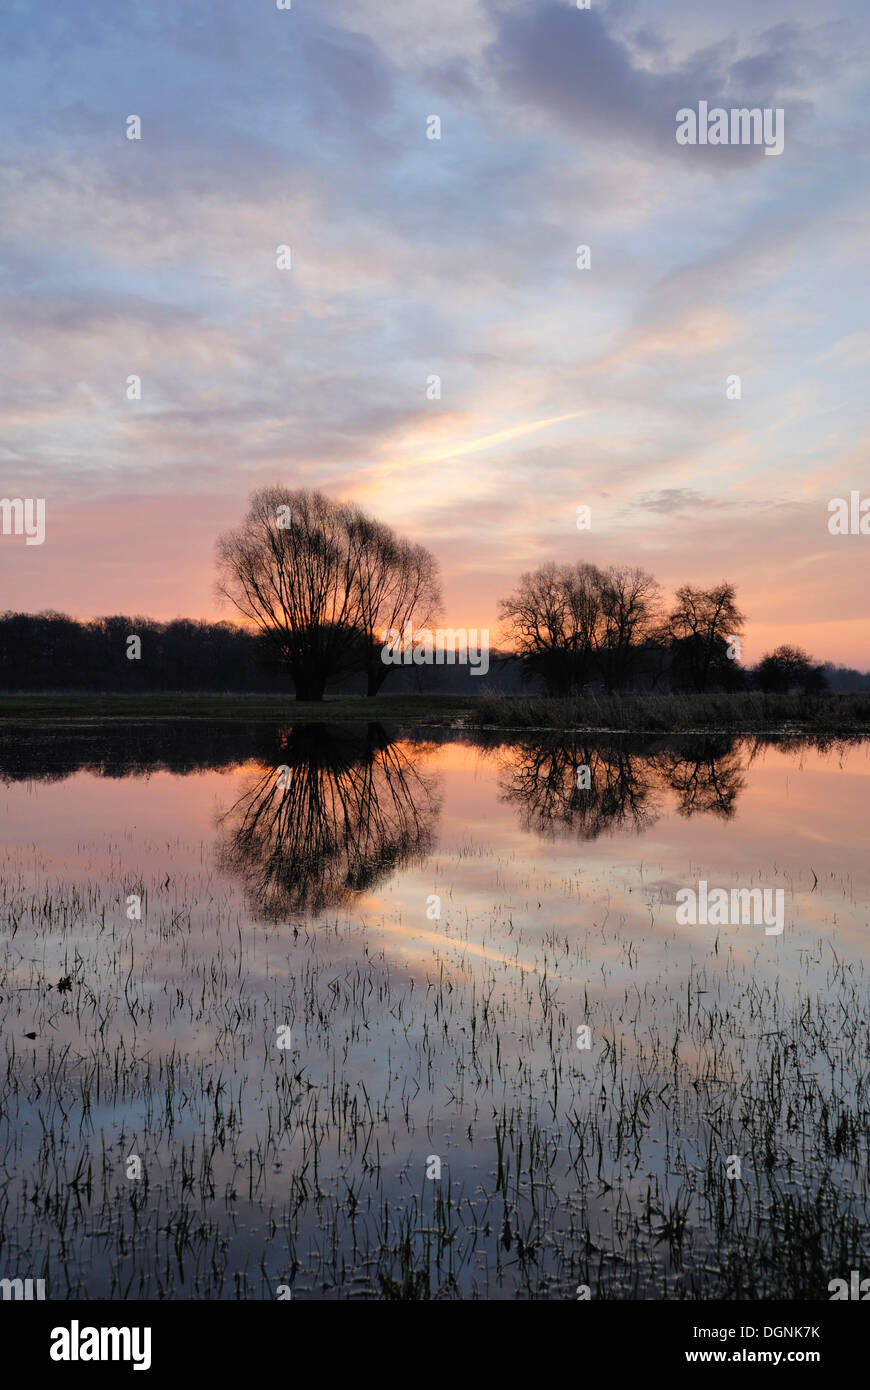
<point>415,257</point>
<point>670,501</point>
<point>567,64</point>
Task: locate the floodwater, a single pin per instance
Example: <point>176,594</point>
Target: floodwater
<point>364,1012</point>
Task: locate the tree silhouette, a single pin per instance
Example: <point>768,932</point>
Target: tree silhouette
<point>321,580</point>
<point>700,627</point>
<point>787,667</point>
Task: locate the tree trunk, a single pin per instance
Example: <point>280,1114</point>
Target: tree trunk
<point>376,675</point>
<point>308,687</point>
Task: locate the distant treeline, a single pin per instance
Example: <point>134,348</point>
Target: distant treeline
<point>49,651</point>
<point>53,652</point>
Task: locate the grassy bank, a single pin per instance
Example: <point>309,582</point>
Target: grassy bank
<point>402,709</point>
<point>749,711</point>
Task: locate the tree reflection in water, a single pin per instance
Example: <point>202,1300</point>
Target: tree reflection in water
<point>356,806</point>
<point>626,783</point>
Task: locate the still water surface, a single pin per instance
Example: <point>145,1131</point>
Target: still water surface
<point>432,919</point>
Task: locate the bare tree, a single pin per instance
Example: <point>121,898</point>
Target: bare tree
<point>555,620</point>
<point>396,583</point>
<point>322,580</point>
<point>630,603</point>
<point>289,570</point>
<point>573,623</point>
<point>788,667</point>
<point>699,628</point>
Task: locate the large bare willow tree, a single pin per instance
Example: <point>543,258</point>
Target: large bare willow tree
<point>323,582</point>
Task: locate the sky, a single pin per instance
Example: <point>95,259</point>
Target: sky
<point>455,257</point>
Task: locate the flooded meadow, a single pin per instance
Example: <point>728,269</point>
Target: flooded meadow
<point>367,1012</point>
